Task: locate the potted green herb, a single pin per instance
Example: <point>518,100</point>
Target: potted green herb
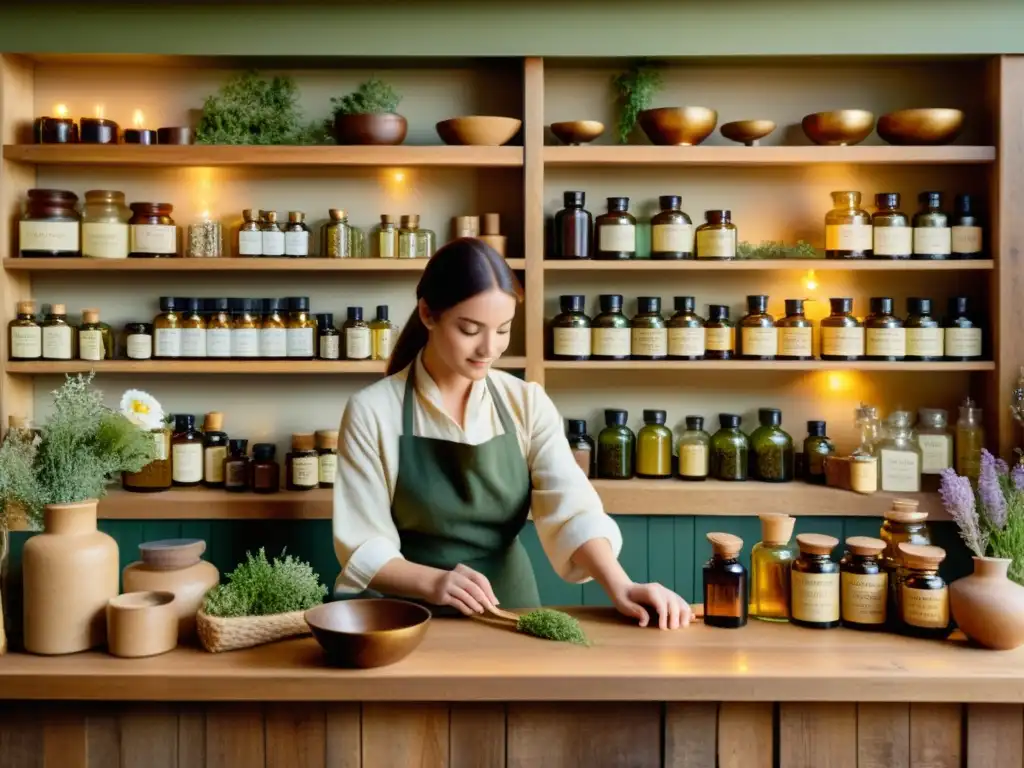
<point>368,116</point>
<point>634,92</point>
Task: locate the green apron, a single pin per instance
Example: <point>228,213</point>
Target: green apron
<point>456,503</point>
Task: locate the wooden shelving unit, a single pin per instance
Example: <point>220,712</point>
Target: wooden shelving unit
<point>210,366</point>
<point>758,265</point>
<point>763,365</point>
<point>183,265</point>
<point>767,156</point>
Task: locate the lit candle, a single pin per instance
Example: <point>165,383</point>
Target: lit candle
<point>138,134</point>
<point>60,111</point>
<point>99,111</point>
<point>97,130</point>
<point>60,129</point>
<point>137,120</point>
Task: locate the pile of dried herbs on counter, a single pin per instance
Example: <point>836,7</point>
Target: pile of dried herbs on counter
<point>549,624</point>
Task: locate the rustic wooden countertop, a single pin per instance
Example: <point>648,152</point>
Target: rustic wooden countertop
<point>465,660</point>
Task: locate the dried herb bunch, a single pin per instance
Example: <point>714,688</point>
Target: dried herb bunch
<point>372,97</point>
<point>634,89</point>
<point>258,587</point>
<point>549,624</point>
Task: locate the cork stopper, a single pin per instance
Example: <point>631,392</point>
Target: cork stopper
<point>776,528</point>
<point>249,214</point>
<point>725,544</point>
<point>338,214</point>
<point>906,511</point>
<point>492,223</point>
<point>26,307</point>
<point>58,309</point>
<point>303,442</point>
<point>214,422</point>
<point>90,315</point>
<point>327,439</point>
<point>17,422</point>
<point>386,219</point>
<point>921,556</point>
<point>816,543</point>
<point>866,546</point>
<point>467,226</point>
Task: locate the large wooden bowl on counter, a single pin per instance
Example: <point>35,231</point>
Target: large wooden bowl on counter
<point>840,127</point>
<point>478,130</point>
<point>678,126</point>
<point>929,127</point>
<point>368,633</point>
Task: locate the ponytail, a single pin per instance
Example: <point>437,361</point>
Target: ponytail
<point>411,341</point>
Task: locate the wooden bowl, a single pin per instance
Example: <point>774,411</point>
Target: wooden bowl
<point>577,131</point>
<point>478,130</point>
<point>678,126</point>
<point>385,128</point>
<point>142,624</point>
<point>921,126</point>
<point>748,132</point>
<point>840,127</point>
<point>368,633</point>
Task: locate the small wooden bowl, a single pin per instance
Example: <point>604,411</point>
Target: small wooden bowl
<point>577,131</point>
<point>368,633</point>
<point>927,127</point>
<point>478,130</point>
<point>678,126</point>
<point>142,624</point>
<point>841,127</point>
<point>380,129</point>
<point>748,132</point>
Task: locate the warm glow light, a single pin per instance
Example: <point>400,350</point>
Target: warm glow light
<point>99,110</point>
<point>398,184</point>
<point>60,110</point>
<point>137,119</point>
<point>839,381</point>
<point>811,280</point>
<point>399,176</point>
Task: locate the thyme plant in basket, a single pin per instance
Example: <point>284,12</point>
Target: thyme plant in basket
<point>259,587</point>
<point>634,90</point>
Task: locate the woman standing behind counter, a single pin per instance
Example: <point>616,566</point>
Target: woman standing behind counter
<point>441,462</point>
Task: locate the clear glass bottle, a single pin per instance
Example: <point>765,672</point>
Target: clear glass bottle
<point>329,337</point>
<point>842,335</point>
<point>296,235</point>
<point>935,439</point>
<point>24,334</point>
<point>193,329</point>
<point>924,596</point>
<point>237,467</point>
<point>215,449</point>
<point>730,450</point>
<point>105,225</point>
<point>863,461</point>
<point>382,334</point>
<point>970,439</point>
<point>570,330</point>
<point>685,331</point>
<point>759,339</point>
<point>582,446</point>
<point>892,235</point>
<point>245,329</point>
<point>385,239</point>
<point>719,334</point>
<point>414,242</point>
<point>573,229</point>
<point>654,447</point>
<point>167,329</point>
<point>864,584</point>
<point>266,472</point>
<point>59,336</point>
<point>218,329</point>
<point>303,464</point>
<point>671,230</point>
<point>273,235</point>
<point>966,239</point>
<point>770,563</point>
<point>250,237</point>
<point>814,583</point>
<point>962,335</point>
<point>186,451</point>
<point>693,452</point>
<point>301,329</point>
<point>95,339</point>
<point>848,232</point>
<point>356,336</point>
<point>817,447</point>
<point>274,329</point>
<point>726,599</point>
<point>616,447</point>
<point>610,332</point>
<point>616,231</point>
<point>327,456</point>
<point>899,455</point>
<point>925,338</point>
<point>648,331</point>
<point>933,238</point>
<point>717,237</point>
<point>340,240</point>
<point>796,333</point>
<point>771,449</point>
<point>885,338</point>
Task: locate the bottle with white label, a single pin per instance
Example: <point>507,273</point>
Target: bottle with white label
<point>671,230</point>
<point>327,456</point>
<point>273,237</point>
<point>842,334</point>
<point>95,341</point>
<point>245,328</point>
<point>302,465</point>
<point>328,336</point>
<point>925,337</point>
<point>301,329</point>
<point>759,339</point>
<point>717,237</point>
<point>719,334</point>
<point>609,331</point>
<point>356,335</point>
<point>167,329</point>
<point>885,338</point>
<point>152,233</point>
<point>186,451</point>
<point>616,231</point>
<point>383,334</point>
<point>215,450</point>
<point>648,338</point>
<point>848,232</point>
<point>58,335</point>
<point>250,238</point>
<point>218,328</point>
<point>24,334</point>
<point>965,228</point>
<point>274,330</point>
<point>935,439</point>
<point>933,238</point>
<point>814,583</point>
<point>193,329</point>
<point>693,451</point>
<point>51,225</point>
<point>864,584</point>
<point>570,330</point>
<point>296,235</point>
<point>138,338</point>
<point>924,596</point>
<point>961,334</point>
<point>796,333</point>
<point>685,331</point>
<point>892,235</point>
<point>899,455</point>
<point>105,225</point>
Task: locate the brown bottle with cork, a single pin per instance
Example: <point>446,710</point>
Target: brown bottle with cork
<point>303,465</point>
<point>215,450</point>
<point>725,583</point>
<point>24,334</point>
<point>327,448</point>
<point>924,596</point>
<point>492,233</point>
<point>864,584</point>
<point>814,583</point>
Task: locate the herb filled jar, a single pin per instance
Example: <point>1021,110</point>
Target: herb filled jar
<point>842,335</point>
<point>925,338</point>
<point>167,329</point>
<point>933,238</point>
<point>152,232</point>
<point>327,456</point>
<point>685,331</point>
<point>570,330</point>
<point>272,240</point>
<point>266,472</point>
<point>771,449</point>
<point>274,330</point>
<point>654,447</point>
<point>24,334</point>
<point>965,230</point>
<point>717,237</point>
<point>245,329</point>
<point>616,231</point>
<point>770,563</point>
<point>218,329</point>
<point>301,332</point>
<point>725,583</point>
<point>962,336</point>
<point>885,338</point>
<point>671,230</point>
<point>50,226</point>
<point>864,584</point>
<point>609,331</point>
<point>814,583</point>
<point>237,467</point>
<point>303,464</point>
<point>730,450</point>
<point>105,220</point>
<point>817,448</point>
<point>649,333</point>
<point>186,451</point>
<point>582,446</point>
<point>59,335</point>
<point>719,334</point>
<point>892,235</point>
<point>336,238</point>
<point>573,228</point>
<point>924,596</point>
<point>138,341</point>
<point>759,339</point>
<point>296,235</point>
<point>848,232</point>
<point>693,451</point>
<point>795,332</point>
<point>616,447</point>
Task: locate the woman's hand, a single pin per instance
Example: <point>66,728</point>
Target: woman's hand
<point>672,610</point>
<point>462,588</point>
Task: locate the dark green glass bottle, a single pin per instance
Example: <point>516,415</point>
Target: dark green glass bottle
<point>771,449</point>
<point>616,446</point>
<point>685,331</point>
<point>730,449</point>
<point>719,334</point>
<point>817,446</point>
<point>654,447</point>
<point>649,334</point>
<point>609,331</point>
<point>884,335</point>
<point>570,330</point>
<point>966,230</point>
<point>925,340</point>
<point>759,339</point>
<point>961,334</point>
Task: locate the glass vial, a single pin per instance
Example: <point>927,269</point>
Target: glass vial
<point>274,330</point>
<point>795,332</point>
<point>935,440</point>
<point>616,231</point>
<point>693,451</point>
<point>814,583</point>
<point>357,338</point>
<point>924,596</point>
<point>303,464</point>
<point>885,338</point>
<point>759,339</point>
<point>186,451</point>
<point>105,225</point>
<point>413,242</point>
<point>266,472</point>
<point>237,467</point>
<point>817,448</point>
<point>970,439</point>
<point>671,230</point>
<point>848,231</point>
<point>719,334</point>
<point>904,523</point>
<point>573,228</point>
<point>771,449</point>
<point>384,239</point>
<point>925,339</point>
<point>654,447</point>
<point>892,234</point>
<point>296,235</point>
<point>770,563</point>
<point>899,455</point>
<point>193,329</point>
<point>245,329</point>
<point>685,331</point>
<point>138,341</point>
<point>327,456</point>
<point>933,238</point>
<point>582,446</point>
<point>218,329</point>
<point>842,335</point>
<point>649,333</point>
<point>95,341</point>
<point>25,335</point>
<point>301,329</point>
<point>250,238</point>
<point>570,330</point>
<point>215,450</point>
<point>961,334</point>
<point>339,239</point>
<point>273,236</point>
<point>725,583</point>
<point>965,230</point>
<point>716,238</point>
<point>167,329</point>
<point>730,450</point>
<point>59,336</point>
<point>610,333</point>
<point>864,584</point>
<point>329,338</point>
<point>382,334</point>
<point>616,445</point>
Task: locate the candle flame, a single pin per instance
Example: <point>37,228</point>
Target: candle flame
<point>60,110</point>
<point>99,110</point>
<point>811,281</point>
<point>137,119</point>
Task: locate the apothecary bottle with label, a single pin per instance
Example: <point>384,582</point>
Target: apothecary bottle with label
<point>726,599</point>
<point>770,563</point>
<point>970,439</point>
<point>193,329</point>
<point>157,475</point>
<point>610,332</point>
<point>842,335</point>
<point>250,238</point>
<point>245,329</point>
<point>885,338</point>
<point>817,448</point>
<point>152,233</point>
<point>218,329</point>
<point>814,583</point>
<point>924,596</point>
<point>582,446</point>
<point>616,231</point>
<point>95,339</point>
<point>671,230</point>
<point>899,455</point>
<point>274,329</point>
<point>327,456</point>
<point>273,235</point>
<point>215,449</point>
<point>570,330</point>
<point>186,451</point>
<point>356,335</point>
<point>848,231</point>
<point>383,334</point>
<point>795,332</point>
<point>961,334</point>
<point>864,584</point>
<point>329,337</point>
<point>759,338</point>
<point>50,226</point>
<point>616,447</point>
<point>59,335</point>
<point>925,337</point>
<point>693,452</point>
<point>24,334</point>
<point>266,472</point>
<point>296,235</point>
<point>893,237</point>
<point>649,333</point>
<point>654,447</point>
<point>573,228</point>
<point>138,341</point>
<point>384,239</point>
<point>730,450</point>
<point>685,331</point>
<point>167,329</point>
<point>237,467</point>
<point>965,230</point>
<point>771,449</point>
<point>301,329</point>
<point>933,238</point>
<point>719,334</point>
<point>343,241</point>
<point>904,523</point>
<point>716,238</point>
<point>105,220</point>
<point>303,464</point>
<point>935,439</point>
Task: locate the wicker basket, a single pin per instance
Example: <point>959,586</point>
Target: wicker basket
<point>218,634</point>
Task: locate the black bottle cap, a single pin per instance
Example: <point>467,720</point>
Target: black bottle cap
<point>183,422</point>
<point>841,306</point>
<point>574,302</point>
<point>237,445</point>
<point>918,306</point>
<point>959,305</point>
<point>769,417</point>
<point>695,422</point>
<point>654,417</point>
<point>611,302</point>
<point>887,200</point>
<point>355,313</point>
<point>729,420</point>
<point>168,304</point>
<point>684,303</point>
<point>574,199</point>
<point>816,428</point>
<point>931,199</point>
<point>718,214</point>
<point>962,204</point>
<point>273,305</point>
<point>298,303</point>
<point>618,203</point>
<point>220,305</point>
<point>794,306</point>
<point>193,306</point>
<point>247,305</point>
<point>615,418</point>
<point>648,305</point>
<point>881,305</point>
<point>325,320</point>
<point>757,304</point>
<point>576,427</point>
<point>382,311</point>
<point>264,451</point>
<point>234,306</point>
<point>718,312</point>
<point>670,202</point>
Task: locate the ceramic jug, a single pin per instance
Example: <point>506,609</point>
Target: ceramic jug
<point>987,606</point>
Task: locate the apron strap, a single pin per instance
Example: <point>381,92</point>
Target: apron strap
<point>407,405</point>
<point>407,402</point>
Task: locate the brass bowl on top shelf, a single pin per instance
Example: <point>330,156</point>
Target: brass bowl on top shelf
<point>748,132</point>
<point>927,127</point>
<point>478,130</point>
<point>577,131</point>
<point>841,127</point>
<point>678,126</point>
<point>368,633</point>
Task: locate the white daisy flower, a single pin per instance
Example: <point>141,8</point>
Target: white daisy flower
<point>142,409</point>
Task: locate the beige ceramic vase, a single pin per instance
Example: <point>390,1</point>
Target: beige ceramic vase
<point>70,573</point>
<point>987,606</point>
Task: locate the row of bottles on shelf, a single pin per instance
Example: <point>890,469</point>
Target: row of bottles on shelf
<point>688,336</point>
<point>850,231</point>
<point>220,328</point>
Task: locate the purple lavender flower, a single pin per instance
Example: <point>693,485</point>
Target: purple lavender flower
<point>990,493</point>
<point>958,499</point>
<point>1017,476</point>
<point>1001,468</point>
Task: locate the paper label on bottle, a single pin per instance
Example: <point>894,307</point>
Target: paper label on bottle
<point>686,342</point>
<point>672,238</point>
<point>848,237</point>
<point>617,237</point>
<point>925,342</point>
<point>330,347</point>
<point>864,476</point>
<point>305,471</point>
<point>273,342</point>
<point>936,453</point>
<point>213,463</point>
<point>693,460</point>
<point>273,243</point>
<point>864,597</point>
<point>571,342</point>
<point>236,474</point>
<point>815,596</point>
<point>931,241</point>
<point>796,342</point>
<point>842,342</point>
<point>250,243</point>
<point>154,238</point>
<point>763,342</point>
<point>300,342</point>
<point>893,241</point>
<point>962,342</point>
<point>161,440</point>
<point>168,342</point>
<point>720,339</point>
<point>387,245</point>
<point>193,342</point>
<point>187,462</point>
<point>885,342</point>
<point>57,342</point>
<point>384,339</point>
<point>27,342</point>
<point>926,608</point>
<point>649,342</point>
<point>245,342</point>
<point>139,346</point>
<point>90,345</point>
<point>328,467</point>
<point>357,343</point>
<point>296,243</point>
<point>901,470</point>
<point>966,239</point>
<point>716,243</point>
<point>218,342</point>
<point>104,240</point>
<point>610,342</point>
<point>48,235</point>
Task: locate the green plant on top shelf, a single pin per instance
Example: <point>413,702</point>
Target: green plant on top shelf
<point>776,249</point>
<point>634,89</point>
<point>258,587</point>
<point>373,97</point>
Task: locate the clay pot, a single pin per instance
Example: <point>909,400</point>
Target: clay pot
<point>987,606</point>
<point>383,128</point>
<point>70,574</point>
<point>141,624</point>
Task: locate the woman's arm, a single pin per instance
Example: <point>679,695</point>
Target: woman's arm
<point>461,587</point>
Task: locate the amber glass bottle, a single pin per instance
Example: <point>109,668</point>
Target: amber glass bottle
<point>759,338</point>
<point>796,333</point>
<point>582,445</point>
<point>237,467</point>
<point>814,583</point>
<point>904,524</point>
<point>95,339</point>
<point>770,563</point>
<point>167,329</point>
<point>274,330</point>
<point>301,329</point>
<point>685,331</point>
<point>218,329</point>
<point>671,230</point>
<point>573,228</point>
<point>654,447</point>
<point>885,337</point>
<point>892,234</point>
<point>193,329</point>
<point>717,237</point>
<point>933,238</point>
<point>719,334</point>
<point>59,335</point>
<point>847,228</point>
<point>616,231</point>
<point>303,473</point>
<point>186,451</point>
<point>925,339</point>
<point>327,452</point>
<point>966,231</point>
<point>725,583</point>
<point>649,333</point>
<point>842,335</point>
<point>266,472</point>
<point>215,450</point>
<point>245,329</point>
<point>961,332</point>
<point>865,590</point>
<point>924,596</point>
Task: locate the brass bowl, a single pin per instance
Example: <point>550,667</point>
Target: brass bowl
<point>577,131</point>
<point>748,132</point>
<point>678,126</point>
<point>839,127</point>
<point>368,633</point>
<point>478,130</point>
<point>921,126</point>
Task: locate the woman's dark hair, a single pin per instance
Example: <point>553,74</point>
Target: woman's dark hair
<point>457,271</point>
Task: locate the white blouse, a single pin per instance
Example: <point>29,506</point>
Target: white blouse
<point>566,509</point>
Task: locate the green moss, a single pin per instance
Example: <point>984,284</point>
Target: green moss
<point>549,624</point>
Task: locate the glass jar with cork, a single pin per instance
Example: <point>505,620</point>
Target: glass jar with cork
<point>770,563</point>
<point>924,596</point>
<point>327,456</point>
<point>814,583</point>
<point>250,238</point>
<point>24,334</point>
<point>303,464</point>
<point>59,336</point>
<point>215,449</point>
<point>272,235</point>
<point>296,236</point>
<point>726,597</point>
<point>95,339</point>
<point>864,584</point>
<point>904,523</point>
<point>384,239</point>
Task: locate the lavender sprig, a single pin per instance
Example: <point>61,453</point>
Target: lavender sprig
<point>991,495</point>
<point>1017,477</point>
<point>958,499</point>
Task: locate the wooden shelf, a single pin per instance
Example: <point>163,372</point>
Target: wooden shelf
<point>207,365</point>
<point>754,156</point>
<point>761,365</point>
<point>133,155</point>
<point>224,265</point>
<point>757,265</point>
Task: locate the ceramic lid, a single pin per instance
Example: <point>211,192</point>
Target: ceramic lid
<point>172,554</point>
<point>725,544</point>
<point>922,556</point>
<point>816,543</point>
<point>776,528</point>
<point>865,545</point>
